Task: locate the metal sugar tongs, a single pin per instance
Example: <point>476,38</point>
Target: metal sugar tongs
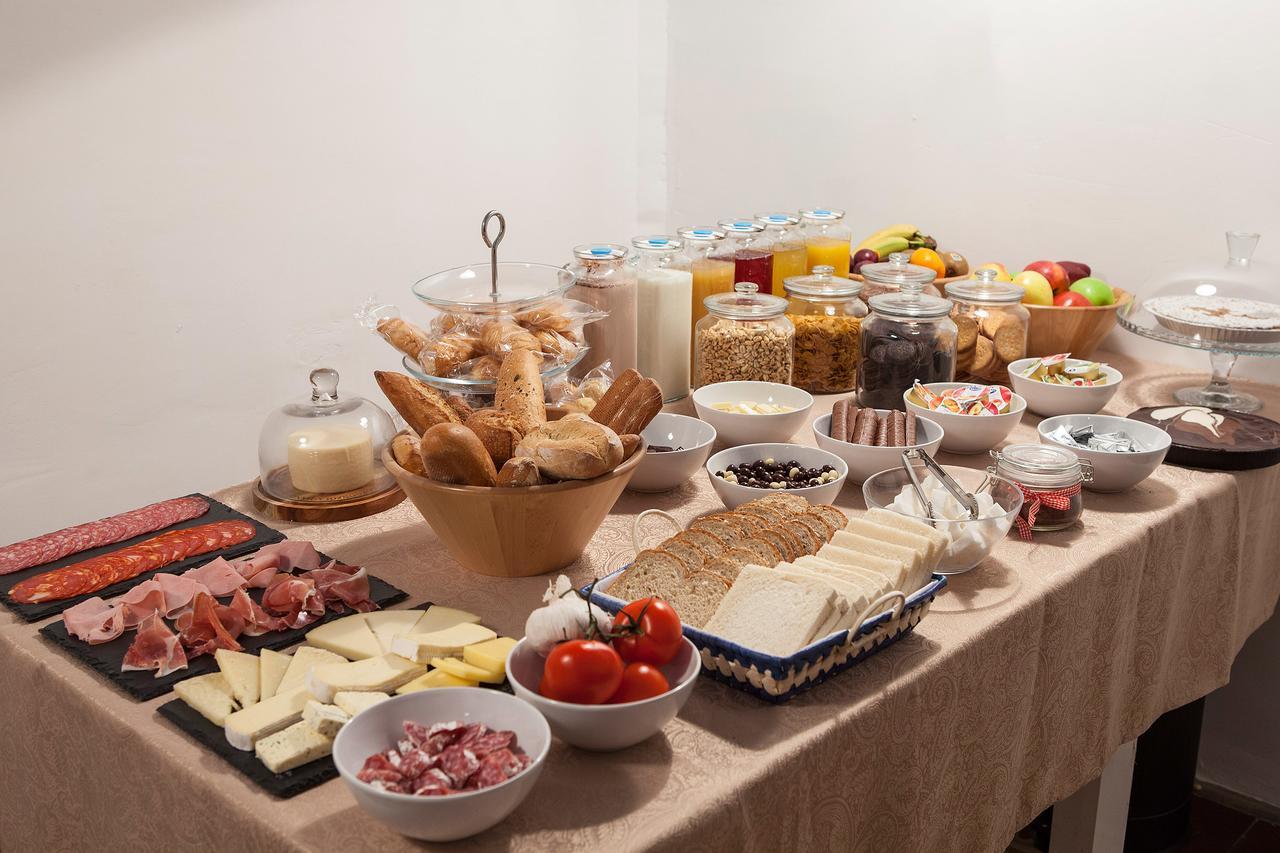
<point>493,247</point>
<point>966,499</point>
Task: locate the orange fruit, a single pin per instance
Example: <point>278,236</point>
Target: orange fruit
<point>923,257</point>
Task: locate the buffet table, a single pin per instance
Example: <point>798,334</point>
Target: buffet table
<point>1026,676</point>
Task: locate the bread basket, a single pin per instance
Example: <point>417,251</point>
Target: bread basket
<point>1079,331</point>
<point>515,532</point>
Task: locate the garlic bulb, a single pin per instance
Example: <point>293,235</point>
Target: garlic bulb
<point>565,616</point>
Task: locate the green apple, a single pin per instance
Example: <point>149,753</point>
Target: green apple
<point>1036,288</point>
<point>1095,290</point>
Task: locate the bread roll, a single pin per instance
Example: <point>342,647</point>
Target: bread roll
<point>404,449</point>
<point>404,336</point>
<point>460,407</point>
<point>520,389</point>
<point>421,406</point>
<point>451,453</point>
<point>629,444</point>
<point>498,431</point>
<point>520,471</point>
<point>572,448</point>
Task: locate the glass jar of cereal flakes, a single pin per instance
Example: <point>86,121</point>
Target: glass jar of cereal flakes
<point>827,314</point>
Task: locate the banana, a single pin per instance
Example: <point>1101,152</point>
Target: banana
<point>901,230</point>
<point>886,246</point>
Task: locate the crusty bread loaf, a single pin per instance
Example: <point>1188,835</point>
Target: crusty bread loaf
<point>498,431</point>
<point>451,453</point>
<point>404,449</point>
<point>572,448</point>
<point>520,391</point>
<point>460,406</point>
<point>421,406</point>
<point>520,471</point>
<point>630,443</point>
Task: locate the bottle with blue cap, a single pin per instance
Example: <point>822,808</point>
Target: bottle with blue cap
<point>711,273</point>
<point>607,283</point>
<point>750,247</point>
<point>664,301</point>
<point>827,239</point>
<point>790,258</point>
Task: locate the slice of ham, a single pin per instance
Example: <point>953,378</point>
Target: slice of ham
<point>279,557</point>
<point>140,602</point>
<point>218,576</point>
<point>208,626</point>
<point>342,586</point>
<point>179,592</point>
<point>94,621</point>
<point>295,599</point>
<point>256,620</point>
<point>155,647</point>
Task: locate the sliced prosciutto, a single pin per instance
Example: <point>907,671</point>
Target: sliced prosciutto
<point>209,626</point>
<point>279,557</point>
<point>295,599</point>
<point>155,647</point>
<point>218,576</point>
<point>342,586</point>
<point>256,620</point>
<point>94,621</point>
<point>140,602</point>
<point>179,592</point>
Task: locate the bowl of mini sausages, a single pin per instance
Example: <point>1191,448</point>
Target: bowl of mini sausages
<point>872,440</point>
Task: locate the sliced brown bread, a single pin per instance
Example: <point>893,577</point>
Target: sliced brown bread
<point>831,515</point>
<point>652,573</point>
<point>717,525</point>
<point>690,555</point>
<point>730,563</point>
<point>707,543</point>
<point>770,512</point>
<point>817,524</point>
<point>788,546</point>
<point>791,503</point>
<point>766,553</point>
<point>746,522</point>
<point>697,597</point>
<point>810,542</point>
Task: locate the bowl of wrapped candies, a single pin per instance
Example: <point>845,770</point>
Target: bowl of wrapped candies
<point>1062,385</point>
<point>974,418</point>
<point>1122,451</point>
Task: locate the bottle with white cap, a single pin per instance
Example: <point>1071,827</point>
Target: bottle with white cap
<point>607,283</point>
<point>664,297</point>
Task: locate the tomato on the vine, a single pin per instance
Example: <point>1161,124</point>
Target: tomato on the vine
<point>587,672</point>
<point>648,631</point>
<point>640,681</point>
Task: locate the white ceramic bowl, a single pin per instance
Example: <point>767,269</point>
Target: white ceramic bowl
<point>969,433</point>
<point>454,816</point>
<point>1049,400</point>
<point>1114,472</point>
<point>733,494</point>
<point>734,429</point>
<point>661,472</point>
<point>605,728</point>
<point>863,460</point>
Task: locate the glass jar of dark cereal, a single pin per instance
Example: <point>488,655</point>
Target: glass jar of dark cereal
<point>908,336</point>
<point>1050,478</point>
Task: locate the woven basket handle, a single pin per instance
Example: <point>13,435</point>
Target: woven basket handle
<point>635,526</point>
<point>899,599</point>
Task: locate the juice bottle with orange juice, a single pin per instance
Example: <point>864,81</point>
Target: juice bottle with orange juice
<point>790,257</point>
<point>710,274</point>
<point>827,239</point>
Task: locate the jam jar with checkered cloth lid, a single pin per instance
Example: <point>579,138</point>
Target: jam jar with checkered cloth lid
<point>1050,478</point>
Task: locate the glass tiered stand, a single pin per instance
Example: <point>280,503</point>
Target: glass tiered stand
<point>1240,277</point>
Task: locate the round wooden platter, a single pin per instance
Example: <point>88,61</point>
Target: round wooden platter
<point>380,495</point>
<point>1215,438</point>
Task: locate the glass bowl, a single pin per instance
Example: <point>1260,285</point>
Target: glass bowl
<point>969,541</point>
<point>481,387</point>
<point>469,289</point>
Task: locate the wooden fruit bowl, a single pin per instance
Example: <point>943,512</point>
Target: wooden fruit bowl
<point>1074,330</point>
<point>515,532</point>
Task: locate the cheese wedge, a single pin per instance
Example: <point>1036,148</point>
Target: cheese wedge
<point>241,672</point>
<point>328,720</point>
<point>247,726</point>
<point>389,624</point>
<point>383,673</point>
<point>271,669</point>
<point>450,641</point>
<point>355,701</point>
<point>292,747</point>
<point>461,669</point>
<point>434,678</point>
<point>210,695</point>
<point>491,656</point>
<point>437,618</point>
<point>302,662</point>
<point>350,637</point>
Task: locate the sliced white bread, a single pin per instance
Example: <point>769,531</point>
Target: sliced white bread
<point>877,583</point>
<point>850,600</point>
<point>869,588</point>
<point>892,570</point>
<point>897,520</point>
<point>885,550</point>
<point>770,613</point>
<point>876,530</point>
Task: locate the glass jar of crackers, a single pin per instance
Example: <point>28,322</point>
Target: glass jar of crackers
<point>991,324</point>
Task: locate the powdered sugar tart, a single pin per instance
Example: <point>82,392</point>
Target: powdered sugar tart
<point>1218,318</point>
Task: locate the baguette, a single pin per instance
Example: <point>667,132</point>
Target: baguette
<point>520,389</point>
<point>404,449</point>
<point>421,406</point>
<point>520,471</point>
<point>451,453</point>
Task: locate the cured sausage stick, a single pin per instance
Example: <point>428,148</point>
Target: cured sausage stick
<point>851,421</point>
<point>839,419</point>
<point>865,431</point>
<point>882,430</point>
<point>898,430</point>
<point>911,429</point>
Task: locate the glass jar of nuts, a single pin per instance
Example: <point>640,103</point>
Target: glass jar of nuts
<point>745,336</point>
<point>991,326</point>
<point>826,312</point>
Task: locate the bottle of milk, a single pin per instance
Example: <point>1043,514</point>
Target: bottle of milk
<point>664,296</point>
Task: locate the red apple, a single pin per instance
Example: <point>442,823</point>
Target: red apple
<point>1075,270</point>
<point>1053,273</point>
<point>1071,299</point>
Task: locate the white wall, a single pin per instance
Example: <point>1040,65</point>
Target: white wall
<point>195,197</point>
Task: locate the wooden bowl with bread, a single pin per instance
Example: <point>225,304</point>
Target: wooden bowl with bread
<point>518,489</point>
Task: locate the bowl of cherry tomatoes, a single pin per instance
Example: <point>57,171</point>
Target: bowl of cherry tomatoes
<point>616,688</point>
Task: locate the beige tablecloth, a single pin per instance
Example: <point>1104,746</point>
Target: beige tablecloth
<point>1013,692</point>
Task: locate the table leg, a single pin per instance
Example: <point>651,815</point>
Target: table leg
<point>1092,820</point>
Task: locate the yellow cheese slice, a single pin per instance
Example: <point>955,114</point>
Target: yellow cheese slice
<point>462,669</point>
<point>389,624</point>
<point>355,701</point>
<point>302,662</point>
<point>383,673</point>
<point>434,678</point>
<point>210,695</point>
<point>437,618</point>
<point>450,641</point>
<point>271,669</point>
<point>241,672</point>
<point>247,726</point>
<point>491,656</point>
<point>350,637</point>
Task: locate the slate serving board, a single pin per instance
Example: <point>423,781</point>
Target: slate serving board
<point>217,512</point>
<point>283,785</point>
<point>105,658</point>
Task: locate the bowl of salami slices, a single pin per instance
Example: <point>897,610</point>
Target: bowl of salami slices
<point>443,764</point>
